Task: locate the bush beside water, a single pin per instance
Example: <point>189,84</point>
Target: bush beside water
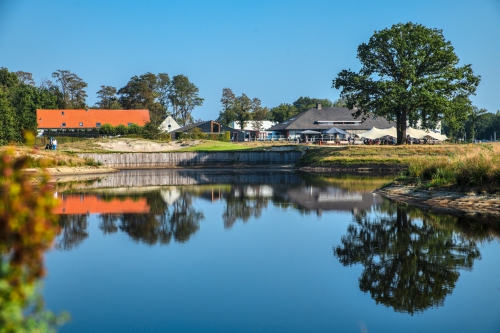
<point>476,167</point>
<point>28,229</point>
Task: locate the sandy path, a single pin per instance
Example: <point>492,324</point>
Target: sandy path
<point>137,145</point>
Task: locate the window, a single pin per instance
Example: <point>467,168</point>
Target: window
<point>63,125</point>
<point>81,124</point>
<point>97,124</point>
<point>341,122</point>
<point>62,112</point>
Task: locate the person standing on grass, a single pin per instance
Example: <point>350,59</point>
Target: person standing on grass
<point>54,144</point>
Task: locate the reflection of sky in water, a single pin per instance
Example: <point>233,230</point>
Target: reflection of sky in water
<point>270,268</point>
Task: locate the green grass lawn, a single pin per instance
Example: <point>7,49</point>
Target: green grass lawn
<point>207,145</point>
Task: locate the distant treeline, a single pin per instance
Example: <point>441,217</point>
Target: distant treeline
<point>162,95</point>
<point>20,96</point>
<point>241,109</point>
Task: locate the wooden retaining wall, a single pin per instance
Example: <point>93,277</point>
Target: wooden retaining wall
<point>169,177</point>
<point>193,159</point>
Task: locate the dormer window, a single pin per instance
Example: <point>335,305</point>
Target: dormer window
<point>62,113</point>
<point>129,124</point>
<point>97,124</point>
<point>63,125</point>
<point>81,124</point>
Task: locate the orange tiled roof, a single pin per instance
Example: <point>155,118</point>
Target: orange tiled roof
<point>92,204</point>
<point>89,118</point>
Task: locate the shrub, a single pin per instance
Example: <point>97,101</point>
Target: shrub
<point>134,129</point>
<point>196,134</point>
<point>151,131</point>
<point>107,129</point>
<point>28,228</point>
<point>121,130</point>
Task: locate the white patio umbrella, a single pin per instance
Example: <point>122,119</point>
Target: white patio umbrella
<point>335,130</point>
<point>309,132</point>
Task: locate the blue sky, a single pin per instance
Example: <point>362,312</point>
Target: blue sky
<point>274,50</point>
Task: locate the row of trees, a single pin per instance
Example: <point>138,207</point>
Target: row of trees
<point>20,96</point>
<point>241,109</point>
<point>473,124</point>
<point>285,111</point>
<point>160,94</point>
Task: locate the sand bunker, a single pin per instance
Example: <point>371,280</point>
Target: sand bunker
<point>138,145</point>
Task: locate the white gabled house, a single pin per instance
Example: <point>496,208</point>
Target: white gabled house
<point>169,125</point>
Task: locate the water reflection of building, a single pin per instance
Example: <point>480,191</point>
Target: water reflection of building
<point>331,198</point>
<point>94,204</point>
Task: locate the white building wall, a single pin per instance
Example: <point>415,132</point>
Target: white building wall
<point>164,126</point>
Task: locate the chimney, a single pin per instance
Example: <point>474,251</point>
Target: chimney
<point>318,106</point>
<point>87,110</point>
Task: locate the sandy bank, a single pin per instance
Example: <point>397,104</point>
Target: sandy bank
<point>456,203</point>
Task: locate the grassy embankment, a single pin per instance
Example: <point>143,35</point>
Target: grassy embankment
<point>38,158</point>
<point>465,166</point>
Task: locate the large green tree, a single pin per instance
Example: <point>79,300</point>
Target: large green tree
<point>183,97</point>
<point>72,88</point>
<point>243,107</point>
<point>259,114</point>
<point>456,115</point>
<point>408,70</point>
<point>107,98</point>
<point>227,115</point>
<point>305,103</point>
<point>283,112</point>
<point>139,92</point>
<point>19,100</point>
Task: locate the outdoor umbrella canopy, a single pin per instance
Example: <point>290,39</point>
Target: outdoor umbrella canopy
<point>376,133</point>
<point>437,136</point>
<point>335,130</point>
<point>415,133</point>
<point>310,132</point>
<point>420,134</point>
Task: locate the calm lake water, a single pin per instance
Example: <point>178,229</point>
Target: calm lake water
<point>265,251</point>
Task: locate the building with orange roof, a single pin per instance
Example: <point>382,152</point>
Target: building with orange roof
<point>89,118</point>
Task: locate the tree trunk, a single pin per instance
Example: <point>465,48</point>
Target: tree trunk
<point>401,127</point>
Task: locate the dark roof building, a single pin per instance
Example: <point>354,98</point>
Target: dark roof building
<point>213,127</point>
<point>321,119</point>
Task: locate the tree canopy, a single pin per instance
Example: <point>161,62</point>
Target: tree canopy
<point>108,99</point>
<point>241,109</point>
<point>72,88</point>
<point>162,96</point>
<point>408,71</point>
<point>19,99</point>
<point>305,103</point>
<point>183,97</point>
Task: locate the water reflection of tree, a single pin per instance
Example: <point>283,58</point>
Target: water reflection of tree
<point>409,263</point>
<point>241,205</point>
<point>180,221</point>
<point>73,231</point>
<point>108,223</point>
